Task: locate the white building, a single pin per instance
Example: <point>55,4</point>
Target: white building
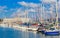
<point>10,20</point>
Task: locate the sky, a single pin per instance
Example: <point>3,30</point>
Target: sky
<point>28,8</point>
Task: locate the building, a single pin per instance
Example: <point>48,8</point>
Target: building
<point>10,20</point>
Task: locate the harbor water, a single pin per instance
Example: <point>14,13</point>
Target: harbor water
<point>13,33</point>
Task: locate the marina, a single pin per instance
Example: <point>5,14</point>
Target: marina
<point>30,19</point>
<point>52,30</point>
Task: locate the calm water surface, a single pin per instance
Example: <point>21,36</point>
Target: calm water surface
<point>12,33</point>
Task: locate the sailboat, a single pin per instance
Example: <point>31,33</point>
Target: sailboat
<point>53,30</point>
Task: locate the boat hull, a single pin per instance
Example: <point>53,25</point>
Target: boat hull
<point>52,33</point>
<point>42,31</point>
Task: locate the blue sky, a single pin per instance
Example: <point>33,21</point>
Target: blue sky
<point>10,8</point>
<point>14,4</point>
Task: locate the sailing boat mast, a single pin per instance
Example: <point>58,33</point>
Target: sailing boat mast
<point>56,14</point>
<point>41,11</point>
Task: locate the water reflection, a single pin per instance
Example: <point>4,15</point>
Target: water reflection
<point>12,33</point>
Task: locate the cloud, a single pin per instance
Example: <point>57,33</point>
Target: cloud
<point>33,7</point>
<point>28,4</point>
<point>29,7</point>
<point>49,1</point>
<point>22,3</point>
<point>3,9</point>
<point>20,12</point>
<point>32,10</point>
